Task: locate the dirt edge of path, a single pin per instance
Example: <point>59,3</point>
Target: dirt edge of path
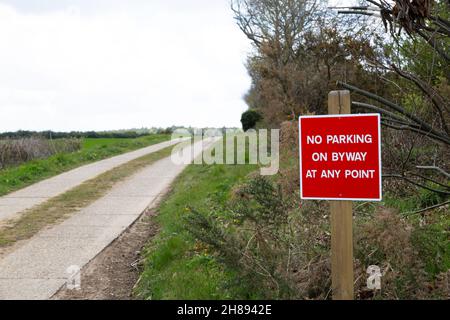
<point>113,273</point>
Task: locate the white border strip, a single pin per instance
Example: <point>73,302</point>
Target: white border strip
<point>379,155</point>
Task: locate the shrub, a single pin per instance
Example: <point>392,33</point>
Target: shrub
<point>249,119</point>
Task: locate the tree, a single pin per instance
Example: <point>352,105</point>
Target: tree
<point>249,119</point>
<point>300,53</point>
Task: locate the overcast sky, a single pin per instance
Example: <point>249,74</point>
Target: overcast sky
<point>113,64</point>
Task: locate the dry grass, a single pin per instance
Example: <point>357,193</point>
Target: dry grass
<point>61,207</point>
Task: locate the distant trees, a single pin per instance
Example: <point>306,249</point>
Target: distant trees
<point>131,134</point>
<point>303,50</point>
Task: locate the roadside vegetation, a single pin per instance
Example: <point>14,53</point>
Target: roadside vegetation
<point>14,177</point>
<point>228,233</point>
<point>114,134</point>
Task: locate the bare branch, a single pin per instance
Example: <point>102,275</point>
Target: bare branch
<point>422,132</point>
<point>442,171</point>
<point>431,40</point>
<point>446,186</point>
<point>438,101</point>
<point>399,176</point>
<point>379,110</point>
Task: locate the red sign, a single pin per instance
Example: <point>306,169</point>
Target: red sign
<point>340,157</point>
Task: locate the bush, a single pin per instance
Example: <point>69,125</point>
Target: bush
<point>260,239</point>
<point>280,251</point>
<point>249,119</point>
<point>277,246</point>
<point>413,259</point>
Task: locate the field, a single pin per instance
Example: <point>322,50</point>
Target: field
<point>17,177</point>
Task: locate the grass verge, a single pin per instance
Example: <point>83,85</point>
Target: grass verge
<point>15,178</point>
<point>61,207</point>
<point>176,266</point>
<point>411,249</point>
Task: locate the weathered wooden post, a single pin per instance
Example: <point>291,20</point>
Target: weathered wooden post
<point>341,221</point>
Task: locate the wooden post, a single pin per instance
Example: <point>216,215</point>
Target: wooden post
<point>341,222</point>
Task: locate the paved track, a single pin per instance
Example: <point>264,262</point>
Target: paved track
<point>15,203</point>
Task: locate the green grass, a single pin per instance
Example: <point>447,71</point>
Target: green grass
<point>177,267</point>
<point>15,178</point>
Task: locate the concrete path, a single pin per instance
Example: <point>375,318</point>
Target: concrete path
<point>14,203</point>
<point>37,270</point>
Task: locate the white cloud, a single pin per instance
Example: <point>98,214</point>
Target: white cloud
<point>128,66</point>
